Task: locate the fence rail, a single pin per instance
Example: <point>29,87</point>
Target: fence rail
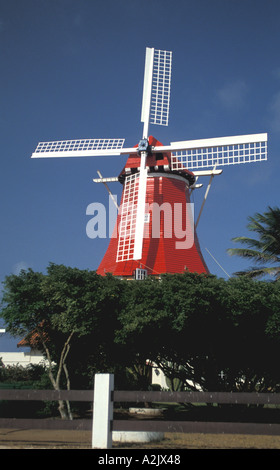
<point>104,397</point>
<point>215,427</point>
<point>205,427</point>
<point>235,398</point>
<point>48,424</point>
<point>46,395</point>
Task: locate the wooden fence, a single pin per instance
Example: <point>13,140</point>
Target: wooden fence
<point>199,426</point>
<point>46,395</point>
<point>103,423</point>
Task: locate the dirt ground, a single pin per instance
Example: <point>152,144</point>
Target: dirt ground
<point>52,439</point>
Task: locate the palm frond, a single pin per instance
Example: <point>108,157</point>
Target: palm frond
<point>265,248</point>
<point>248,241</point>
<point>254,273</point>
<point>253,254</point>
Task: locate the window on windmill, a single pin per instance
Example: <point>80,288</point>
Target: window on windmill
<point>140,274</point>
<point>159,156</point>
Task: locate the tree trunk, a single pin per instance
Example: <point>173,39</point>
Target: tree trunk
<point>68,387</point>
<point>64,413</point>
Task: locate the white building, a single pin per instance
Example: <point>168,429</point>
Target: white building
<point>22,358</point>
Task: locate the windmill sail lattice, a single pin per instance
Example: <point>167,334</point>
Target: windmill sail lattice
<point>79,147</point>
<point>243,149</point>
<point>157,180</point>
<point>128,219</point>
<point>161,88</point>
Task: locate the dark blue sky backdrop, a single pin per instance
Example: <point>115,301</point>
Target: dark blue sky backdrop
<point>74,69</point>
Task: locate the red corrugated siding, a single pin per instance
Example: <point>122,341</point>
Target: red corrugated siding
<point>159,254</point>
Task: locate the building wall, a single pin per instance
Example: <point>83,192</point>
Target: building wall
<point>158,378</point>
<point>22,358</point>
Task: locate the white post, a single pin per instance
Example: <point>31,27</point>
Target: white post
<point>102,411</point>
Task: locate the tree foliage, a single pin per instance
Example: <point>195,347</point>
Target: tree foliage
<point>206,332</point>
<point>53,310</point>
<point>201,331</point>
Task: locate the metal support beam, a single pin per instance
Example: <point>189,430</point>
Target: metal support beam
<point>205,195</point>
<point>104,180</point>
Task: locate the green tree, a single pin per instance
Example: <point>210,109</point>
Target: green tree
<point>201,331</point>
<point>265,248</point>
<point>252,345</point>
<point>204,332</point>
<point>196,331</point>
<point>175,322</point>
<point>141,314</point>
<point>54,310</point>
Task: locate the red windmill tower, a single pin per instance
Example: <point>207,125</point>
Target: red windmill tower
<point>168,241</point>
<point>155,232</point>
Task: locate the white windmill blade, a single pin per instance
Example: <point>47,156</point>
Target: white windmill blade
<point>212,142</point>
<point>218,151</point>
<point>80,148</point>
<point>140,214</point>
<point>132,212</point>
<point>156,88</point>
<point>147,90</point>
<point>127,220</point>
<point>219,141</point>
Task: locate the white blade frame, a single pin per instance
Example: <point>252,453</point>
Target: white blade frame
<point>78,148</point>
<point>161,85</point>
<point>147,90</point>
<point>140,213</point>
<point>156,89</point>
<point>219,151</point>
<point>126,229</point>
<point>132,218</point>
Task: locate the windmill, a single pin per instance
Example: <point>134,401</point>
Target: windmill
<point>149,236</point>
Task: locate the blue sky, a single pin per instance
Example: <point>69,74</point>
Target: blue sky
<point>74,69</point>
